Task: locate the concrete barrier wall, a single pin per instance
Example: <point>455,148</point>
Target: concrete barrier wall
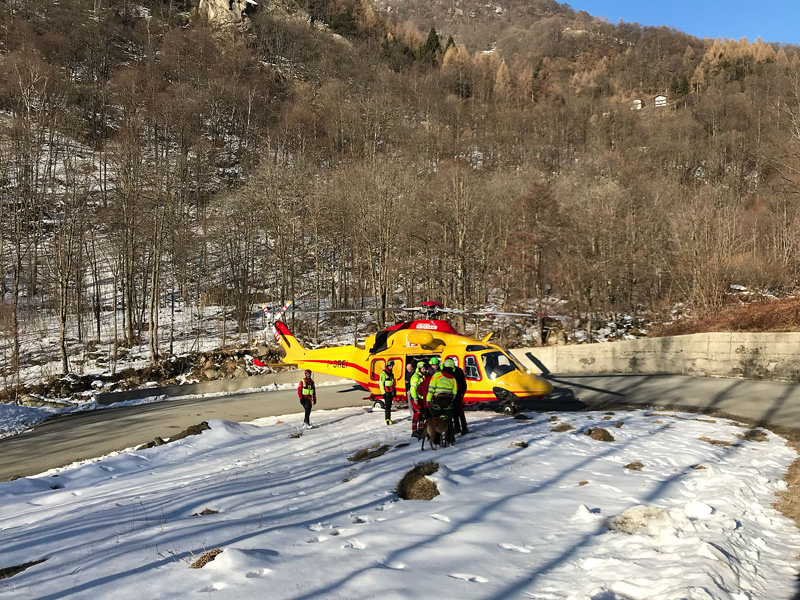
<point>748,355</point>
<point>211,387</point>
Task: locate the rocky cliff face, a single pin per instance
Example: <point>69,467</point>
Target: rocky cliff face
<point>225,12</point>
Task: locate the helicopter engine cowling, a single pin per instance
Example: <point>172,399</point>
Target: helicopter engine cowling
<point>419,338</point>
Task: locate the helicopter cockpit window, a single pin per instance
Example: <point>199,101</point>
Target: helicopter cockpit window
<point>377,366</point>
<point>476,348</point>
<point>471,368</point>
<point>496,364</point>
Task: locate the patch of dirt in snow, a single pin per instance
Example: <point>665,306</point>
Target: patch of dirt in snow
<point>754,435</point>
<point>640,520</point>
<point>788,502</point>
<point>368,453</point>
<point>11,571</point>
<point>713,442</point>
<point>634,466</point>
<point>415,484</point>
<point>205,558</point>
<point>561,427</point>
<point>191,430</point>
<point>599,434</point>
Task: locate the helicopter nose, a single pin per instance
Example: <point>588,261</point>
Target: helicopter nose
<point>535,386</point>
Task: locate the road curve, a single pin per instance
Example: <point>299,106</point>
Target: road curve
<point>64,440</point>
<point>772,404</point>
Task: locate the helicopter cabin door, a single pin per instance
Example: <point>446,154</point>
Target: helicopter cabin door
<point>379,364</point>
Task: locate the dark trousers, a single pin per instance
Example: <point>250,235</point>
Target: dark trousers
<point>307,405</point>
<point>459,422</point>
<point>388,398</point>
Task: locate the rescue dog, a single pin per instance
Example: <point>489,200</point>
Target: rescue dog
<point>432,427</point>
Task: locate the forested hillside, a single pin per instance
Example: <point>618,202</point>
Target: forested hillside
<point>336,152</point>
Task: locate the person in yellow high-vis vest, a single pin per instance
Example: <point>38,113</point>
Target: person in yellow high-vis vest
<point>307,392</point>
<point>441,395</point>
<point>388,388</point>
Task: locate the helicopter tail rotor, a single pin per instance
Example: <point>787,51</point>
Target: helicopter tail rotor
<point>272,320</point>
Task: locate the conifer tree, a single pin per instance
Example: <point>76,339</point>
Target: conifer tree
<point>430,51</point>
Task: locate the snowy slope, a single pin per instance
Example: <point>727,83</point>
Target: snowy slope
<point>297,520</point>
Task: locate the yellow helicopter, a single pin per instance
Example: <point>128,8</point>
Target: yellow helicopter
<point>493,375</point>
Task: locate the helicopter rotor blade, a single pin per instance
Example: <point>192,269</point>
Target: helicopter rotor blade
<point>492,313</point>
<point>353,310</point>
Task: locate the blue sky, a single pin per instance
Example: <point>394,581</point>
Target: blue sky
<point>772,20</point>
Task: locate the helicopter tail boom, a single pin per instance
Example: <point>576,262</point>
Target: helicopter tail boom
<point>294,350</point>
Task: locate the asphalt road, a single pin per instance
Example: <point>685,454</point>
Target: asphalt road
<point>64,440</point>
<point>764,403</point>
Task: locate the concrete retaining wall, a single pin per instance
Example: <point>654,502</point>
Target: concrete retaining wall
<point>747,355</point>
<point>211,387</point>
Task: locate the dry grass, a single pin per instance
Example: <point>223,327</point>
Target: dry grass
<point>415,484</point>
<point>518,445</point>
<point>697,467</point>
<point>368,453</point>
<point>772,315</point>
<point>754,435</point>
<point>599,434</point>
<point>657,414</point>
<point>788,502</point>
<point>296,435</point>
<point>620,424</point>
<point>721,443</point>
<point>634,466</point>
<point>554,418</point>
<point>206,511</point>
<point>582,483</point>
<point>704,420</point>
<point>561,427</point>
<point>11,571</point>
<point>191,430</point>
<point>205,558</point>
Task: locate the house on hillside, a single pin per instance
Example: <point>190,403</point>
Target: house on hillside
<point>638,104</point>
<point>660,101</point>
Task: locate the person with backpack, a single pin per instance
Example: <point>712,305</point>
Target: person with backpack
<point>307,393</point>
<point>388,389</point>
<point>442,391</point>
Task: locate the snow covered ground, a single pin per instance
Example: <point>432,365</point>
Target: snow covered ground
<point>524,512</point>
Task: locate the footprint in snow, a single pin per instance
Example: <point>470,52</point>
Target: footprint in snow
<point>315,540</point>
<point>441,518</point>
<point>514,548</point>
<point>258,573</point>
<point>215,587</point>
<point>354,545</point>
<point>472,578</point>
<point>316,527</point>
